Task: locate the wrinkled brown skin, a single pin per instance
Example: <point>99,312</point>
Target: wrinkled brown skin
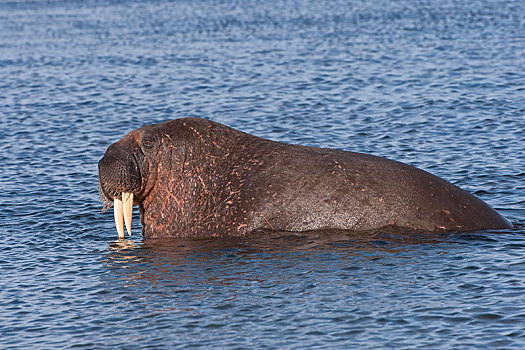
<point>197,178</point>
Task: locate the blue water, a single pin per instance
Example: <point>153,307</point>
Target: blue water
<point>439,84</point>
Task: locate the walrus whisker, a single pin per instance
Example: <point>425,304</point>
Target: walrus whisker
<point>106,203</point>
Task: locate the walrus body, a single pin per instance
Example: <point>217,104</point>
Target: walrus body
<point>194,177</point>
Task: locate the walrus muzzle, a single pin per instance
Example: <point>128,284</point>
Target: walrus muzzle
<point>119,177</point>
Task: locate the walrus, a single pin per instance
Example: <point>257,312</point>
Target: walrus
<point>193,177</point>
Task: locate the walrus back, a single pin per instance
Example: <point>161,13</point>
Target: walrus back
<point>308,188</point>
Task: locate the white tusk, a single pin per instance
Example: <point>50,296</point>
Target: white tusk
<point>127,199</point>
<point>119,220</point>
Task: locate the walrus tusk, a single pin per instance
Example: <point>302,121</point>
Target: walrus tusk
<point>119,220</point>
<point>127,199</point>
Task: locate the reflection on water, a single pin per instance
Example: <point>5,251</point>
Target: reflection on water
<point>172,265</point>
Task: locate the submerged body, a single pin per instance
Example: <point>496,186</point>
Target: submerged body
<point>194,177</point>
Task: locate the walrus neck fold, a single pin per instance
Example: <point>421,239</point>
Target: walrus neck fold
<point>203,169</point>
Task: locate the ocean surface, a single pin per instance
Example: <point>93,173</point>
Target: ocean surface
<point>439,84</point>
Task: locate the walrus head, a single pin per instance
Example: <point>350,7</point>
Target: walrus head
<point>178,172</point>
<point>127,172</point>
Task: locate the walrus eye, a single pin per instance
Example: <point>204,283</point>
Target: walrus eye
<point>148,142</point>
